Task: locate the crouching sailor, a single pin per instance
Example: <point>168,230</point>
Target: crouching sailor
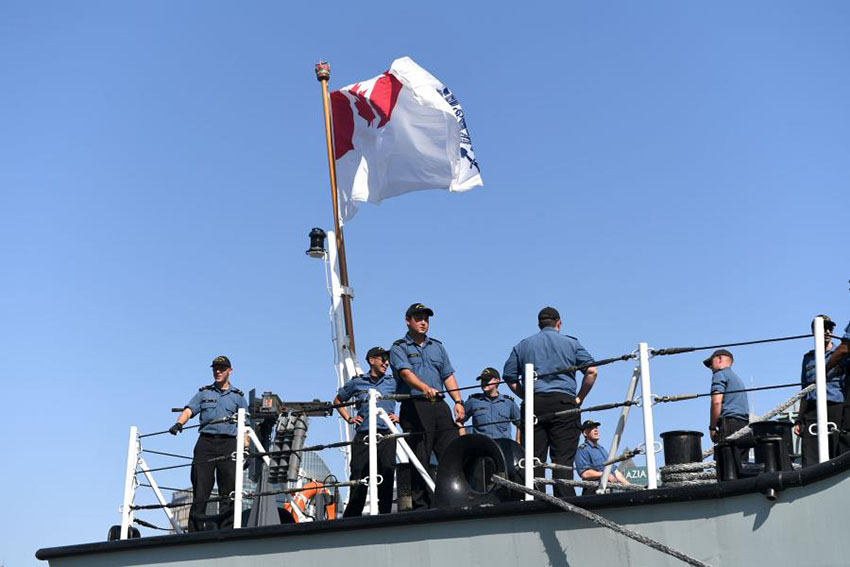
<point>492,413</point>
<point>216,443</point>
<point>358,388</point>
<point>591,457</point>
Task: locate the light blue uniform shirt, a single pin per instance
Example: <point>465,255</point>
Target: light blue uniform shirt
<point>429,362</point>
<point>484,410</point>
<point>834,379</point>
<point>590,456</point>
<point>358,388</point>
<point>547,351</point>
<point>736,404</point>
<point>211,404</point>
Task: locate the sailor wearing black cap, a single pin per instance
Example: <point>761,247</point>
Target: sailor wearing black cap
<point>729,405</point>
<point>591,457</point>
<point>424,368</point>
<point>490,411</point>
<point>214,402</point>
<point>552,354</point>
<point>358,388</point>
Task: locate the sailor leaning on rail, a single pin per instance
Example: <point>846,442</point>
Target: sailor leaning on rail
<point>358,388</point>
<point>808,405</point>
<point>422,364</point>
<point>549,351</point>
<point>730,408</point>
<point>591,457</point>
<point>217,439</point>
<point>491,412</point>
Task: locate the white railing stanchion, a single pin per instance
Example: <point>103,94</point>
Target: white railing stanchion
<point>648,425</point>
<point>528,433</point>
<point>130,482</point>
<point>820,391</point>
<point>373,452</point>
<point>240,469</point>
<point>618,432</point>
<point>172,519</point>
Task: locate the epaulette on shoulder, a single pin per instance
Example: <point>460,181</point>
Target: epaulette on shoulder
<point>570,336</point>
<point>507,397</point>
<point>207,387</point>
<point>477,396</point>
<point>237,391</point>
<point>436,340</point>
<point>398,342</point>
<point>583,446</point>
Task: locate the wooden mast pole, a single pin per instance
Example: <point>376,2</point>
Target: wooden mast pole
<point>323,73</point>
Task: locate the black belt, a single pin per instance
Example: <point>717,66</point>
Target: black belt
<point>218,436</point>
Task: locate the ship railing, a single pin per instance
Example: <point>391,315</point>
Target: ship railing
<point>647,400</point>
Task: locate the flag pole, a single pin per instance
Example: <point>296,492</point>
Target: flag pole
<point>323,73</point>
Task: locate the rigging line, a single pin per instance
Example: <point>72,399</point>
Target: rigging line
<point>185,427</point>
<point>149,525</point>
<point>683,397</point>
<point>177,504</point>
<point>186,490</point>
<point>213,460</point>
<point>597,519</point>
<point>151,451</point>
<point>582,367</point>
<point>680,350</point>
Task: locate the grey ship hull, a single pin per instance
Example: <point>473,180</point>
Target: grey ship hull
<point>729,524</point>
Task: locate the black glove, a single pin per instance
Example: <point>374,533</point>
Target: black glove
<point>176,428</point>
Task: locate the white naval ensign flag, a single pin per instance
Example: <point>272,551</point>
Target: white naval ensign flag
<point>399,132</point>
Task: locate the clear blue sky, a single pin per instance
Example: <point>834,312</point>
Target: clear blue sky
<point>666,172</point>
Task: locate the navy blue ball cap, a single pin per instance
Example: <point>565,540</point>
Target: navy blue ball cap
<point>419,308</point>
<point>221,361</point>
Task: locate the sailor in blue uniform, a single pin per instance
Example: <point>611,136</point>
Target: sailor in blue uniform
<point>808,405</point>
<point>730,410</point>
<point>423,368</point>
<point>490,411</point>
<point>554,390</point>
<point>217,440</point>
<point>358,389</point>
<point>591,457</point>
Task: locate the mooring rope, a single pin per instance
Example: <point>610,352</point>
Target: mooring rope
<point>587,483</point>
<point>597,519</point>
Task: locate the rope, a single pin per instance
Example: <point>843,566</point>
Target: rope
<point>231,419</point>
<point>555,467</point>
<point>149,525</point>
<point>688,476</point>
<point>624,457</point>
<point>187,490</point>
<point>152,452</point>
<point>310,448</point>
<point>177,504</point>
<point>595,363</point>
<point>683,397</point>
<point>775,411</point>
<point>586,483</point>
<point>593,408</point>
<point>680,350</point>
<point>213,460</point>
<point>689,483</point>
<point>688,467</point>
<point>597,519</point>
